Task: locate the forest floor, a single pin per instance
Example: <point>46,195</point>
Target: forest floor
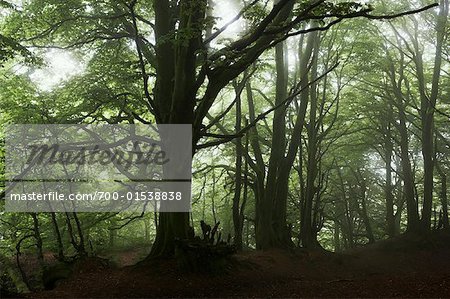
<point>401,267</point>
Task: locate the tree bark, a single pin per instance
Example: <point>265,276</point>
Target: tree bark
<point>237,213</point>
<point>388,152</point>
<point>308,230</point>
<point>443,196</point>
<point>58,237</point>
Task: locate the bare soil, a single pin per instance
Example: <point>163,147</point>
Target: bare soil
<point>407,266</point>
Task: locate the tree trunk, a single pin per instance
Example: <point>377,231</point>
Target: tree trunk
<point>174,96</point>
<point>237,219</point>
<point>37,237</point>
<point>266,238</point>
<point>388,151</point>
<point>408,179</point>
<point>263,227</point>
<point>444,201</point>
<point>336,237</point>
<point>171,226</point>
<point>365,214</point>
<point>443,197</point>
<point>407,173</point>
<point>58,237</point>
<point>308,230</point>
<point>427,107</point>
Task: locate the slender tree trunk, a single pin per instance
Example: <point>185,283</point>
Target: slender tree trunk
<point>444,201</point>
<point>268,238</point>
<point>112,238</point>
<point>37,237</point>
<point>408,179</point>
<point>279,215</point>
<point>344,213</point>
<point>58,237</point>
<point>388,151</point>
<point>244,200</point>
<point>427,107</point>
<point>308,230</point>
<point>407,173</point>
<point>365,214</point>
<point>81,243</point>
<point>336,237</point>
<point>237,220</point>
<point>443,197</point>
<point>263,227</point>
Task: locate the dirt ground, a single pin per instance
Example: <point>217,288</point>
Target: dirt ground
<point>403,267</point>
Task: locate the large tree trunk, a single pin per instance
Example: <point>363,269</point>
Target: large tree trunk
<point>179,49</point>
<point>174,96</point>
<point>171,226</point>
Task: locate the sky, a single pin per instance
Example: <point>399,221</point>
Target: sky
<point>61,65</point>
